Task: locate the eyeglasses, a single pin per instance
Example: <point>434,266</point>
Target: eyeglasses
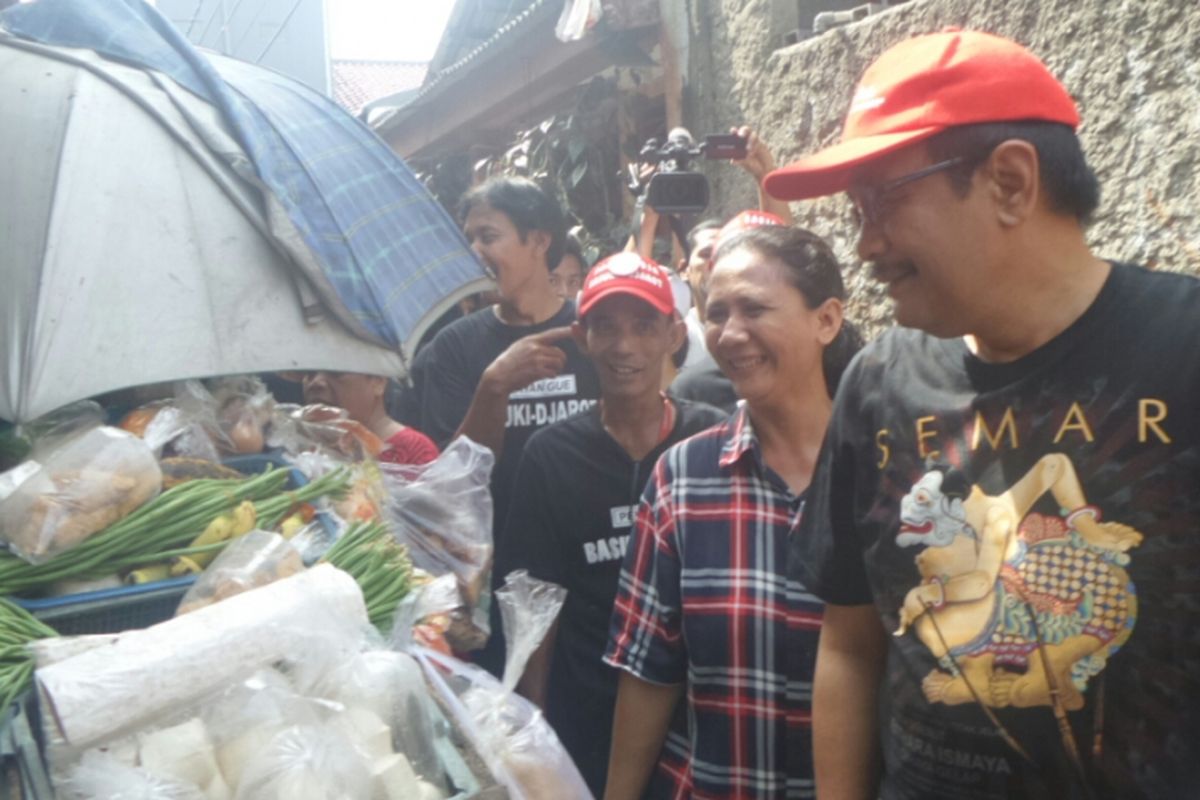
<point>869,200</point>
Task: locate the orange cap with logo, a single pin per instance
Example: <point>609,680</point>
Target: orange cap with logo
<point>923,86</point>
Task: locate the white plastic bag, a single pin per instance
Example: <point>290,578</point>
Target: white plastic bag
<point>307,762</point>
<point>392,685</point>
<point>102,775</point>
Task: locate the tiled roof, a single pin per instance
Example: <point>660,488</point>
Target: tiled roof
<point>356,83</point>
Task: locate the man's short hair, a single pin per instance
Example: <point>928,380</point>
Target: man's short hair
<point>526,205</point>
<point>572,247</point>
<point>1068,182</point>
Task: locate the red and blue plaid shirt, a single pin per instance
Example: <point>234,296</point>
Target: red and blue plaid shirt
<point>704,599</point>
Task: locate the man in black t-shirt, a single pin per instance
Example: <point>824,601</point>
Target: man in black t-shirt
<point>503,372</point>
<point>577,491</point>
<point>1004,520</point>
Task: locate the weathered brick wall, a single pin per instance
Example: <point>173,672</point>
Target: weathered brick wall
<point>1132,65</point>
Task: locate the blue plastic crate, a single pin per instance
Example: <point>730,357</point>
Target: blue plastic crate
<point>125,607</point>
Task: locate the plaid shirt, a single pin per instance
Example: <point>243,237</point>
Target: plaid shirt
<point>704,598</point>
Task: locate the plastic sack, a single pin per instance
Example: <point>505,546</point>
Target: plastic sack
<point>252,560</point>
<point>443,513</point>
<point>102,775</point>
<point>229,416</point>
<point>299,429</point>
<point>577,18</point>
<point>390,684</point>
<point>75,489</point>
<point>509,731</point>
<point>307,762</point>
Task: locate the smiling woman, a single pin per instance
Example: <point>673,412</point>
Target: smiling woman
<point>704,602</point>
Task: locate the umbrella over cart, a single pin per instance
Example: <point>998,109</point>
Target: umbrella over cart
<point>168,215</point>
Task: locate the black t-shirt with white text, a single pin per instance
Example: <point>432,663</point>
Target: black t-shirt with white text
<point>572,512</point>
<point>1026,530</point>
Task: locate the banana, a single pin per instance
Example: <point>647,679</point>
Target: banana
<point>225,527</point>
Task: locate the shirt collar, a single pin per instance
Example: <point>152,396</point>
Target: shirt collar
<point>741,439</point>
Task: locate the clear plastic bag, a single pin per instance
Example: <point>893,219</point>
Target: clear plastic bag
<point>102,775</point>
<point>75,488</point>
<point>435,615</point>
<point>325,429</point>
<point>227,417</point>
<point>307,762</point>
<point>443,513</point>
<point>390,684</point>
<point>253,560</point>
<point>510,732</point>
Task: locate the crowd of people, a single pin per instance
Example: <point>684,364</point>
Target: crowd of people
<point>956,563</point>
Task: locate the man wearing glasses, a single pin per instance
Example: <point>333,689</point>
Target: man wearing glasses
<point>1004,522</point>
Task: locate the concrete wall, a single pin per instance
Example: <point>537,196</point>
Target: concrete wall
<point>1132,65</point>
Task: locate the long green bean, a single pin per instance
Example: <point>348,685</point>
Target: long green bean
<point>379,564</point>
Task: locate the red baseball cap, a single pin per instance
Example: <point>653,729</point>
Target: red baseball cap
<point>627,273</point>
<point>920,87</point>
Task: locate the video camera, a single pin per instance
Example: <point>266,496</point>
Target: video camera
<point>675,189</point>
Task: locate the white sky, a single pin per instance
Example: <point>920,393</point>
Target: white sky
<point>389,30</point>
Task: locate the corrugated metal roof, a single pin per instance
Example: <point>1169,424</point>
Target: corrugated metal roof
<point>504,31</point>
<point>358,82</point>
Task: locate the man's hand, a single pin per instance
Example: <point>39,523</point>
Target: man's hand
<point>526,360</point>
<point>758,161</point>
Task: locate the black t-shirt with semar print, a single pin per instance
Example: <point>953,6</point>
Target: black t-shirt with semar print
<point>1027,529</point>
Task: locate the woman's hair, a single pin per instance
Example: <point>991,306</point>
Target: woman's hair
<point>811,267</point>
<point>526,205</point>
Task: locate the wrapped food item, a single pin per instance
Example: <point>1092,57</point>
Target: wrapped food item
<point>75,489</point>
<point>314,618</point>
<point>228,416</point>
<point>103,775</point>
<point>385,695</point>
<point>252,560</point>
<point>443,513</point>
<point>510,732</point>
<point>307,762</point>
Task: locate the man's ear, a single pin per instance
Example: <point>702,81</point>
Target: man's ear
<point>1014,180</point>
<point>541,243</point>
<point>678,334</point>
<point>579,334</point>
